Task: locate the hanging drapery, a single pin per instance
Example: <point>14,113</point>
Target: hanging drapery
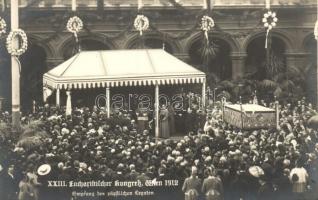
<point>68,103</point>
<point>57,96</point>
<point>47,92</point>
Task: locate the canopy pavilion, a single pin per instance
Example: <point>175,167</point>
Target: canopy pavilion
<point>116,68</point>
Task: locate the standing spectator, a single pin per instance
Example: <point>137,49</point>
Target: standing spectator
<point>26,190</point>
<point>191,185</point>
<point>190,118</point>
<point>171,119</point>
<point>164,122</point>
<point>265,191</point>
<point>283,185</point>
<point>299,179</point>
<point>8,184</point>
<point>212,186</point>
<point>2,183</point>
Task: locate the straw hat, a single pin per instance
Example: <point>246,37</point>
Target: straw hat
<point>256,171</point>
<point>44,169</point>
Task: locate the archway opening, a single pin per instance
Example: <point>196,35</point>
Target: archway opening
<point>84,45</point>
<point>33,66</point>
<point>81,97</point>
<point>311,69</point>
<point>151,43</point>
<point>214,59</point>
<point>257,65</point>
<point>5,77</point>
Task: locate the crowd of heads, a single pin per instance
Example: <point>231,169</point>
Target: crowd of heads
<point>87,145</point>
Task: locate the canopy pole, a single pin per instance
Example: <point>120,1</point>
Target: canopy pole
<point>58,97</point>
<point>157,110</point>
<point>108,101</point>
<point>203,94</point>
<point>68,103</point>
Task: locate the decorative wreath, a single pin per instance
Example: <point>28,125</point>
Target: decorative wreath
<point>270,20</point>
<point>141,23</point>
<point>3,27</point>
<point>23,43</point>
<point>74,25</point>
<point>207,23</point>
<point>316,30</point>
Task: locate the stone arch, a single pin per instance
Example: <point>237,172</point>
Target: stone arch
<point>219,65</point>
<point>256,60</point>
<point>99,39</point>
<point>33,66</point>
<point>37,40</point>
<point>308,40</point>
<point>234,45</point>
<point>309,45</point>
<point>284,36</point>
<point>175,48</point>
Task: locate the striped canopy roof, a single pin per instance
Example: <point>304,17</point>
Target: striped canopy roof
<point>113,68</point>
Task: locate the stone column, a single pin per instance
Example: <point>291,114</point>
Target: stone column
<point>15,69</point>
<point>238,62</point>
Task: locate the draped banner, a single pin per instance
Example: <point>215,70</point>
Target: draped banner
<point>247,119</point>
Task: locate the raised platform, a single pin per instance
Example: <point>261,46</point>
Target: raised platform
<point>249,116</point>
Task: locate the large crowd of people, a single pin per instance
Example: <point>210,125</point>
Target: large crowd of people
<point>212,160</point>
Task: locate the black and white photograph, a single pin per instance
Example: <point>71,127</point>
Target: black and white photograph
<point>158,100</point>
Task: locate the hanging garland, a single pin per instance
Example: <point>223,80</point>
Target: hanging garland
<point>74,25</point>
<point>316,30</point>
<point>207,23</point>
<point>141,23</point>
<point>23,43</point>
<point>3,27</point>
<point>269,21</point>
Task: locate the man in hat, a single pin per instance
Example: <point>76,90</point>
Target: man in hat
<point>8,183</point>
<point>133,173</point>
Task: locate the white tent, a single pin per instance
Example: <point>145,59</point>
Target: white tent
<point>113,68</point>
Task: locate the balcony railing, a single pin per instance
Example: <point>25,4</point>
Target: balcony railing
<point>156,3</point>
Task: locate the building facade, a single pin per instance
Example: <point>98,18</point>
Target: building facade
<point>238,35</point>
